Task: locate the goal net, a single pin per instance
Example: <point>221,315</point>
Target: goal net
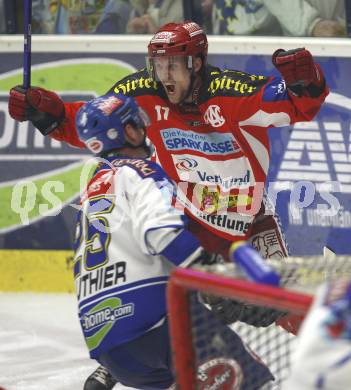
<point>205,354</point>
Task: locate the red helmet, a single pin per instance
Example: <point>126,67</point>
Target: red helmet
<point>174,39</point>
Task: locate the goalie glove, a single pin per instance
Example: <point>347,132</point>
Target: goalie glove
<point>229,311</point>
<point>260,316</point>
<point>43,108</point>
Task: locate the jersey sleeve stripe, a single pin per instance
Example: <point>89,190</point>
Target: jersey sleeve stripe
<point>181,248</point>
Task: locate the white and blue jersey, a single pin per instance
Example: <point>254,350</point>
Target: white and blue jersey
<point>128,239</point>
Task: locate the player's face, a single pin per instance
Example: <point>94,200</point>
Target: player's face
<point>134,135</point>
<point>174,76</point>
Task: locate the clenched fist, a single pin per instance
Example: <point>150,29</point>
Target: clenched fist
<point>297,67</point>
<point>43,108</point>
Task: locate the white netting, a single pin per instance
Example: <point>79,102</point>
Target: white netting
<point>272,344</point>
<point>302,274</point>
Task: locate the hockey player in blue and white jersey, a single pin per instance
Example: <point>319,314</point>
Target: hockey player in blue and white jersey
<point>128,239</point>
<point>322,358</point>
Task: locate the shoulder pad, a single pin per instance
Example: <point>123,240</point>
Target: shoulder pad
<point>232,83</point>
<point>136,84</point>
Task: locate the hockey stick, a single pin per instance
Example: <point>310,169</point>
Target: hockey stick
<point>252,264</point>
<point>27,43</point>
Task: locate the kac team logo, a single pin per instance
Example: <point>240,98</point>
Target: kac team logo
<point>213,116</point>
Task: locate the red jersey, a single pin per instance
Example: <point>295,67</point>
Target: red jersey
<point>217,150</point>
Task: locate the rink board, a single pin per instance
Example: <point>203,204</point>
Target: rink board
<point>36,271</point>
<point>80,68</point>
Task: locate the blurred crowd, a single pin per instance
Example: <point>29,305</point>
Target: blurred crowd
<point>315,18</point>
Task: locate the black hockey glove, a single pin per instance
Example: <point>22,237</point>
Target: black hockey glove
<point>229,311</point>
<point>226,310</point>
<point>43,108</point>
<point>260,315</point>
<point>206,258</point>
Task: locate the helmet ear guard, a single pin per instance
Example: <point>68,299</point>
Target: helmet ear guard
<point>101,122</point>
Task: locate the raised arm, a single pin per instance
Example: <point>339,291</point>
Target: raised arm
<point>48,113</point>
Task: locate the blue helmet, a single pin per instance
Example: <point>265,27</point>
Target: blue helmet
<point>100,123</point>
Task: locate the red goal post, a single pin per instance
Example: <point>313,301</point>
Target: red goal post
<point>273,344</point>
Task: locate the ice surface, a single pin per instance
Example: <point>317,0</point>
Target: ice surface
<point>41,344</point>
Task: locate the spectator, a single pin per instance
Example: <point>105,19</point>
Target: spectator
<point>280,17</point>
<point>193,11</point>
<point>332,19</point>
<point>206,9</point>
<point>244,18</point>
<point>79,17</point>
<point>114,17</point>
<point>149,15</point>
<point>44,15</point>
<point>67,17</point>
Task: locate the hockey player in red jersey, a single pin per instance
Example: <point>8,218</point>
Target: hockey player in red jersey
<point>209,127</point>
<point>210,131</point>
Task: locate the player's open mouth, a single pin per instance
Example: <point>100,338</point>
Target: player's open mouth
<point>170,88</point>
